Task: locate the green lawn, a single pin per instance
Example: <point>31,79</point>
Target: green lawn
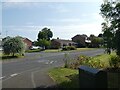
<point>7,57</point>
<point>52,50</point>
<point>78,49</point>
<point>64,77</point>
<point>85,49</point>
<point>34,50</point>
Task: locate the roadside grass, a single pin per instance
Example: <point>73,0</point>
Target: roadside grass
<point>69,78</point>
<point>104,59</point>
<point>52,50</point>
<point>78,49</point>
<point>1,53</point>
<point>7,57</point>
<point>85,49</point>
<point>64,77</point>
<point>34,50</point>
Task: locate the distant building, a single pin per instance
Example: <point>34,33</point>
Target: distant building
<point>81,40</point>
<point>59,43</point>
<point>27,42</point>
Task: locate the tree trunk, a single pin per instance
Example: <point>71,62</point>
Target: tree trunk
<point>13,54</point>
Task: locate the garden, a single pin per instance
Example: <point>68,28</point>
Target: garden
<point>68,75</point>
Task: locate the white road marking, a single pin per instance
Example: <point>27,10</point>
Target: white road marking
<point>51,62</point>
<point>2,77</point>
<point>22,72</point>
<point>12,75</point>
<point>32,78</point>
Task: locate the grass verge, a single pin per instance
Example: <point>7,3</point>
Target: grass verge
<point>52,50</point>
<point>85,49</point>
<point>34,50</point>
<point>64,77</point>
<point>7,57</point>
<point>78,49</point>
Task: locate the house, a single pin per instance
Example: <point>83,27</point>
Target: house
<point>59,43</point>
<point>27,42</point>
<point>82,40</point>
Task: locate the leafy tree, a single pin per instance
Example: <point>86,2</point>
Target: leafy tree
<point>100,35</point>
<point>107,35</point>
<point>13,45</point>
<point>44,43</point>
<point>45,33</point>
<point>111,13</point>
<point>96,42</point>
<point>92,36</point>
<point>6,38</point>
<point>44,38</point>
<point>35,43</point>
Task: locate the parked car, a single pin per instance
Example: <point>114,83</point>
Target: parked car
<point>36,47</point>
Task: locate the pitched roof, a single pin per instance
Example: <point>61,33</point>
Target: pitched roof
<point>63,41</point>
<point>27,39</point>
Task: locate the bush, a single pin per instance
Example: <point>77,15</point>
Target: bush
<point>80,60</point>
<point>114,61</point>
<point>66,48</point>
<point>84,60</point>
<point>13,45</point>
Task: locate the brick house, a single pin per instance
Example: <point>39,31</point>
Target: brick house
<point>28,43</point>
<point>81,40</point>
<point>59,43</point>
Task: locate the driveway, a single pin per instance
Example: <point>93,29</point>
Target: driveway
<point>31,71</point>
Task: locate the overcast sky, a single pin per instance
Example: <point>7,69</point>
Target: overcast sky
<point>65,18</point>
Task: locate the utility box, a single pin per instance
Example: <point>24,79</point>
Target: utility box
<point>92,78</point>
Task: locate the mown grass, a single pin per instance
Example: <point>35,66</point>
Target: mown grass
<point>85,49</point>
<point>78,49</point>
<point>64,77</point>
<point>52,50</point>
<point>34,50</point>
<point>7,57</point>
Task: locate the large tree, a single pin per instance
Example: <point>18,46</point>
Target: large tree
<point>45,33</point>
<point>44,43</point>
<point>13,45</point>
<point>96,42</point>
<point>44,38</point>
<point>111,27</point>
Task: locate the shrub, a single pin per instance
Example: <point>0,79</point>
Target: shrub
<point>66,48</point>
<point>13,45</point>
<point>114,61</point>
<point>80,61</point>
<point>84,60</point>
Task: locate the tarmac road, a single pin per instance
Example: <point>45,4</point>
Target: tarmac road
<point>31,71</point>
